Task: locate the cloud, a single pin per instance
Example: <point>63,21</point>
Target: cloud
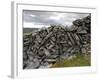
<point>32,25</point>
<point>33,18</point>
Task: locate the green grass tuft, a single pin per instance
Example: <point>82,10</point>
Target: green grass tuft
<point>80,60</point>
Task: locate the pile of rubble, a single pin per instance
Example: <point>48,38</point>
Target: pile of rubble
<point>43,48</point>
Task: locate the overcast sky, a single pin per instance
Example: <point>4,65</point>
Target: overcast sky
<point>38,19</point>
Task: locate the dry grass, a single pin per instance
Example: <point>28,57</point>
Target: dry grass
<point>80,60</point>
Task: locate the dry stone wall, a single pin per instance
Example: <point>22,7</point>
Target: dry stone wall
<point>44,47</point>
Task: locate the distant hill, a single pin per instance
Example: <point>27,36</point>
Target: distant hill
<point>27,30</point>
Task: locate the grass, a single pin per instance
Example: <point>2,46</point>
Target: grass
<point>80,60</point>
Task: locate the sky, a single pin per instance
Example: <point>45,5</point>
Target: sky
<point>39,19</point>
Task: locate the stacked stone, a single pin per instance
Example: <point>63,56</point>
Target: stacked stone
<point>48,45</point>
